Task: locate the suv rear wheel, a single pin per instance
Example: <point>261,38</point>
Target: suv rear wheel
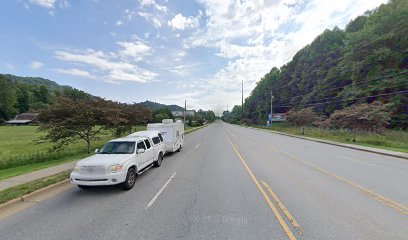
<point>159,160</point>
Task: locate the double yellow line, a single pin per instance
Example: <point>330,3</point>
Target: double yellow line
<point>268,200</point>
<point>384,200</point>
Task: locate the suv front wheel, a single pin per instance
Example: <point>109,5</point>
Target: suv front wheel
<point>130,179</point>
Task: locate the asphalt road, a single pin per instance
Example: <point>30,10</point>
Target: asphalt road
<point>231,182</point>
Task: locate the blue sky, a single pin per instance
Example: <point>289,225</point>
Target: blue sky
<point>163,50</point>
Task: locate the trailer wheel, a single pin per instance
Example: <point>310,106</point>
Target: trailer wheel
<point>159,160</point>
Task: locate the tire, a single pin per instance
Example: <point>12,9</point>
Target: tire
<point>84,187</point>
<point>159,161</point>
<point>130,179</point>
<point>179,149</point>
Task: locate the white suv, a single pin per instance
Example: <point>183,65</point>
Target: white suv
<point>118,162</point>
<point>157,140</point>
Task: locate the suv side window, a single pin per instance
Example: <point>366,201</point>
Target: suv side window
<point>147,143</point>
<point>140,145</point>
<point>161,137</point>
<point>156,140</point>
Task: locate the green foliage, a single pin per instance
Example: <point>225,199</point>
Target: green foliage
<point>26,94</point>
<point>341,68</point>
<point>162,113</point>
<point>373,117</point>
<point>303,117</point>
<point>70,120</point>
<point>202,117</point>
<point>389,139</point>
<point>157,106</point>
<point>8,99</point>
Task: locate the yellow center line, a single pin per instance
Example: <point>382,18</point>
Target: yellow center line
<point>264,194</point>
<point>397,206</point>
<point>283,208</point>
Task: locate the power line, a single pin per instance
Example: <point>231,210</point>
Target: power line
<point>354,84</point>
<point>368,90</point>
<point>345,100</point>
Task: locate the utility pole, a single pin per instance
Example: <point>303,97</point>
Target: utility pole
<point>271,107</point>
<point>185,111</point>
<point>242,102</point>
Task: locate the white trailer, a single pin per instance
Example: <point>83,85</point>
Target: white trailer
<point>172,132</point>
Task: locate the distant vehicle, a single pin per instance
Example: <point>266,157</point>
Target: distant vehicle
<point>172,132</point>
<point>158,142</point>
<point>118,162</point>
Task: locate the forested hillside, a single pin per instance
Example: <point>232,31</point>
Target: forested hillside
<point>23,94</point>
<point>156,106</point>
<point>366,61</point>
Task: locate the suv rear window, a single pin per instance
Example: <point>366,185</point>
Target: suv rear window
<point>161,137</point>
<point>156,140</point>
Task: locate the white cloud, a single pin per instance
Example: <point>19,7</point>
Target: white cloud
<point>254,36</point>
<point>36,65</point>
<point>118,23</point>
<point>150,18</point>
<point>49,4</point>
<point>76,72</point>
<point>148,3</point>
<point>180,22</point>
<point>137,50</point>
<point>111,67</point>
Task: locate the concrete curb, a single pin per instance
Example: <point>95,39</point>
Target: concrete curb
<point>32,194</point>
<point>351,146</point>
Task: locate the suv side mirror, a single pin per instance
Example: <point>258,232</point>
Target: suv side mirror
<point>141,150</point>
<point>96,150</point>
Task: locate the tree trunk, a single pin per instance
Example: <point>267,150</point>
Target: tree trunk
<point>89,146</point>
<point>303,130</point>
<point>354,135</point>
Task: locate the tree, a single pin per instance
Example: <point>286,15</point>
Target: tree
<point>68,120</point>
<point>162,113</point>
<point>23,99</point>
<point>210,116</point>
<point>8,99</point>
<point>373,117</point>
<point>302,118</point>
<point>129,115</point>
<point>368,58</point>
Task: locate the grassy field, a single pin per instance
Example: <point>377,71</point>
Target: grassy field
<point>21,151</point>
<point>390,140</point>
<point>21,190</point>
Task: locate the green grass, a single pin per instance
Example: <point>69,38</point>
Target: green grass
<point>21,190</point>
<point>22,152</point>
<point>15,171</point>
<point>389,140</point>
<point>192,129</point>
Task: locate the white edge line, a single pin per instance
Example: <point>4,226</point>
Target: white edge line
<point>355,160</point>
<point>160,191</point>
